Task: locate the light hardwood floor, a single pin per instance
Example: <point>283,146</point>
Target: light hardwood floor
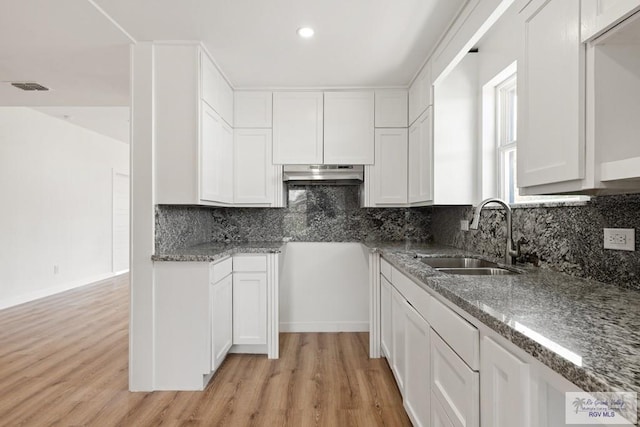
<point>64,361</point>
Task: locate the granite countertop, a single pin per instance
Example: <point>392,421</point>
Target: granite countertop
<point>587,331</point>
<point>208,252</point>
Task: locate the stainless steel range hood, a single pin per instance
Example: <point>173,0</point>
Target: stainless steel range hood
<point>323,174</point>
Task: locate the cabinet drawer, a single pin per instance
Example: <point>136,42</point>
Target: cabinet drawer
<point>249,263</point>
<point>412,292</point>
<point>385,269</point>
<point>220,270</point>
<point>462,336</point>
<point>454,385</point>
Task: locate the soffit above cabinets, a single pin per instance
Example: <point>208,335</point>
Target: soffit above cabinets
<point>359,43</point>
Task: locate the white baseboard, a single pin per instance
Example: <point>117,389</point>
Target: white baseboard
<point>46,292</point>
<point>324,327</point>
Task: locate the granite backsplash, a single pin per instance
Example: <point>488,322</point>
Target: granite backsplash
<point>315,213</point>
<point>564,238</point>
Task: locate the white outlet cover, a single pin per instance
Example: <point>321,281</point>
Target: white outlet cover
<point>622,239</point>
<point>464,225</point>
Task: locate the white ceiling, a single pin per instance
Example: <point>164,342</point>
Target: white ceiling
<point>80,48</point>
<point>357,43</point>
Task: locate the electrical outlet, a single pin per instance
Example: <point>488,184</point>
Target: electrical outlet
<point>464,225</point>
<point>622,239</point>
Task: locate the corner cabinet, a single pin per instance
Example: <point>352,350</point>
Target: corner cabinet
<point>297,127</point>
<point>203,311</point>
<point>600,15</point>
<point>192,128</point>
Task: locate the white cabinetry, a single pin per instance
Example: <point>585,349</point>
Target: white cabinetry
<point>386,181</point>
<point>297,127</point>
<point>391,108</point>
<point>250,300</point>
<point>600,15</point>
<point>257,181</point>
<point>215,90</point>
<point>420,159</point>
<point>398,361</point>
<point>417,378</point>
<point>551,86</point>
<point>193,145</point>
<point>349,128</point>
<point>221,311</point>
<point>504,387</point>
<point>386,333</point>
<point>454,384</point>
<point>216,158</point>
<point>420,93</point>
<point>252,109</point>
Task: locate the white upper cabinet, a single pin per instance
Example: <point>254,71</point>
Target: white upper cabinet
<point>386,181</point>
<point>216,158</point>
<point>256,178</point>
<point>420,93</point>
<point>391,108</point>
<point>551,94</point>
<point>349,128</point>
<point>420,160</point>
<point>215,90</point>
<point>297,127</point>
<point>193,144</point>
<point>252,109</point>
<point>600,15</point>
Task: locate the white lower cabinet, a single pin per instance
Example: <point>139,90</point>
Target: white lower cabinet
<point>221,294</point>
<point>386,337</point>
<point>398,360</point>
<point>439,417</point>
<point>504,387</point>
<point>454,384</point>
<point>416,382</point>
<point>250,300</point>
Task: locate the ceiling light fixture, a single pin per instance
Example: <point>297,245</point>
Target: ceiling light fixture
<point>305,32</point>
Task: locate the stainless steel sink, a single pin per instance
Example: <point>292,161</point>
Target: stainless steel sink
<point>467,266</point>
<point>486,271</point>
<point>458,263</point>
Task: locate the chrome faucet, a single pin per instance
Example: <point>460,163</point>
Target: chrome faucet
<point>512,251</point>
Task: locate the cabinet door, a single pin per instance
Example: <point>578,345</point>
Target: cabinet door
<point>210,82</point>
<point>249,308</point>
<point>597,16</point>
<point>390,173</point>
<point>398,365</point>
<point>252,109</point>
<point>439,417</point>
<point>504,385</point>
<point>254,173</point>
<point>226,101</point>
<point>551,101</point>
<point>454,384</point>
<point>420,159</point>
<point>386,338</point>
<point>417,384</point>
<point>391,108</point>
<point>225,163</point>
<point>297,128</point>
<point>211,151</point>
<point>221,320</point>
<point>420,94</point>
<point>349,128</point>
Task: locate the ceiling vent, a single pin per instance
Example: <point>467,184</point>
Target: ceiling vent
<point>29,86</point>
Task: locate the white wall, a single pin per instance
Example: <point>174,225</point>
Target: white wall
<point>324,288</point>
<point>56,192</point>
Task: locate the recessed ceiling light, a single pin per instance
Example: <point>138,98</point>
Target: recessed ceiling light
<point>305,32</point>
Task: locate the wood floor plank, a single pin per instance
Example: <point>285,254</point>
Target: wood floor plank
<point>64,362</point>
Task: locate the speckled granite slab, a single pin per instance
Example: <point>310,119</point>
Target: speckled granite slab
<point>208,252</point>
<point>587,331</point>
